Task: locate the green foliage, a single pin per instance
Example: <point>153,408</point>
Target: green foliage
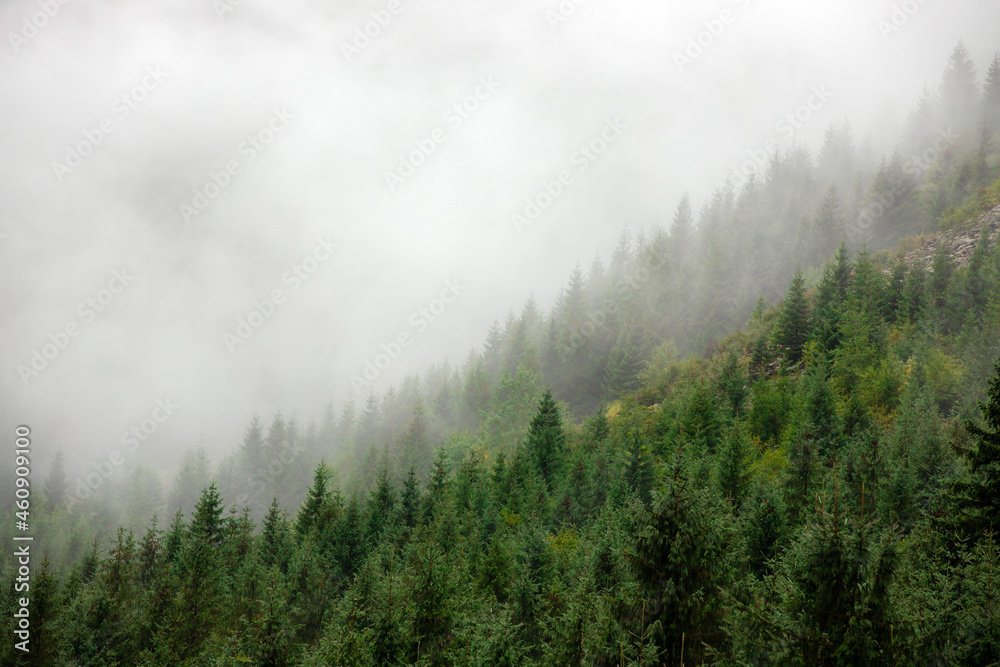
<point>793,325</point>
<point>546,440</point>
<point>486,521</point>
<point>679,559</point>
<point>977,496</point>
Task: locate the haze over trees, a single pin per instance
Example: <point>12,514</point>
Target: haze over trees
<point>764,435</point>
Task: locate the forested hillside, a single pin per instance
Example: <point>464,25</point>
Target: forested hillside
<point>769,434</point>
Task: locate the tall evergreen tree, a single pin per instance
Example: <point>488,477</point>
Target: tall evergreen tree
<point>546,440</point>
<point>793,325</point>
<point>991,98</point>
<point>55,484</point>
<point>682,229</point>
<point>253,445</point>
<point>978,496</point>
<point>829,224</point>
<point>959,91</point>
<point>679,558</point>
<point>316,497</point>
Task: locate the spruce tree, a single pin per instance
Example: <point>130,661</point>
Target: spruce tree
<point>991,98</point>
<point>839,604</point>
<point>680,559</point>
<point>410,501</point>
<point>959,91</point>
<point>546,440</point>
<point>978,496</point>
<point>941,269</point>
<point>316,497</point>
<point>914,300</point>
<point>681,230</point>
<point>381,505</point>
<point>829,224</point>
<point>252,447</point>
<point>792,328</point>
<point>275,542</point>
<point>55,484</point>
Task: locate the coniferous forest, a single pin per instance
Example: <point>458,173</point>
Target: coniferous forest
<point>767,434</point>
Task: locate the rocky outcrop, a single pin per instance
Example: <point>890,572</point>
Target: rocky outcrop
<point>962,242</point>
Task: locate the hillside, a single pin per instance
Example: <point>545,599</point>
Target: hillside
<point>958,244</point>
<point>744,441</point>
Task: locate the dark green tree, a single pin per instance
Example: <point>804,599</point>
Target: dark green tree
<point>316,497</point>
<point>793,324</point>
<point>546,440</point>
<point>977,496</point>
<point>679,558</point>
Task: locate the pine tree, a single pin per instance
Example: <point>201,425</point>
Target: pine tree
<point>639,470</point>
<point>978,496</point>
<point>55,484</point>
<point>625,363</point>
<point>839,605</point>
<point>792,328</point>
<point>679,558</point>
<point>682,229</point>
<point>921,124</point>
<point>732,474</point>
<point>991,98</point>
<point>867,287</point>
<point>349,538</point>
<point>44,610</point>
<point>206,522</point>
<point>416,445</point>
<point>896,288</point>
<point>381,505</point>
<point>316,497</point>
<point>959,91</point>
<point>914,293</point>
<point>733,383</point>
<point>201,576</point>
<point>192,478</point>
<point>892,208</point>
<point>253,445</point>
<point>829,224</point>
<point>275,543</point>
<point>546,440</point>
<point>435,497</point>
<point>152,555</point>
<point>410,501</point>
<point>941,269</point>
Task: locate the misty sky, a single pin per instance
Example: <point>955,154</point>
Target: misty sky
<point>190,88</point>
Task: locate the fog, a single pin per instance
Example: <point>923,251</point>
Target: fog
<point>250,140</point>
